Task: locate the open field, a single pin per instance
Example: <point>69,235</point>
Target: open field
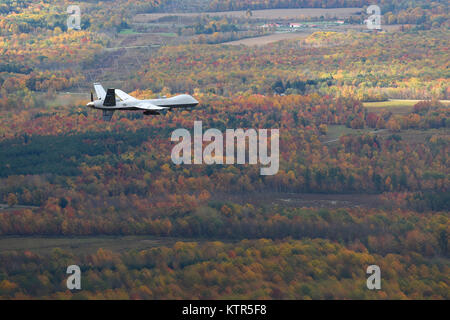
<point>128,31</point>
<point>390,103</point>
<point>409,135</point>
<point>396,102</point>
<point>339,13</point>
<point>396,106</point>
<point>336,131</point>
<point>89,244</point>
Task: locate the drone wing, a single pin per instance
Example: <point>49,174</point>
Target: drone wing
<point>124,96</point>
<point>149,106</point>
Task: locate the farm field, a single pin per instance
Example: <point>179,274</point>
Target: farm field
<point>268,14</point>
<point>396,106</point>
<point>184,20</point>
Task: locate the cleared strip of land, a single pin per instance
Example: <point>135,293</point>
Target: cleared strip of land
<point>259,41</point>
<point>88,244</point>
<point>5,207</point>
<point>396,103</point>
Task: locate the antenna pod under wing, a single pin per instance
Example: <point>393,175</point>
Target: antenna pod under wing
<point>107,115</point>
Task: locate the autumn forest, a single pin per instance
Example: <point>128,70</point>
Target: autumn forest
<point>363,176</point>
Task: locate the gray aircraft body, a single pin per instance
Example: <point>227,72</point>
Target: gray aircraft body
<point>115,99</point>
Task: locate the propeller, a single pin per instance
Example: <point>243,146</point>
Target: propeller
<point>92,97</point>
